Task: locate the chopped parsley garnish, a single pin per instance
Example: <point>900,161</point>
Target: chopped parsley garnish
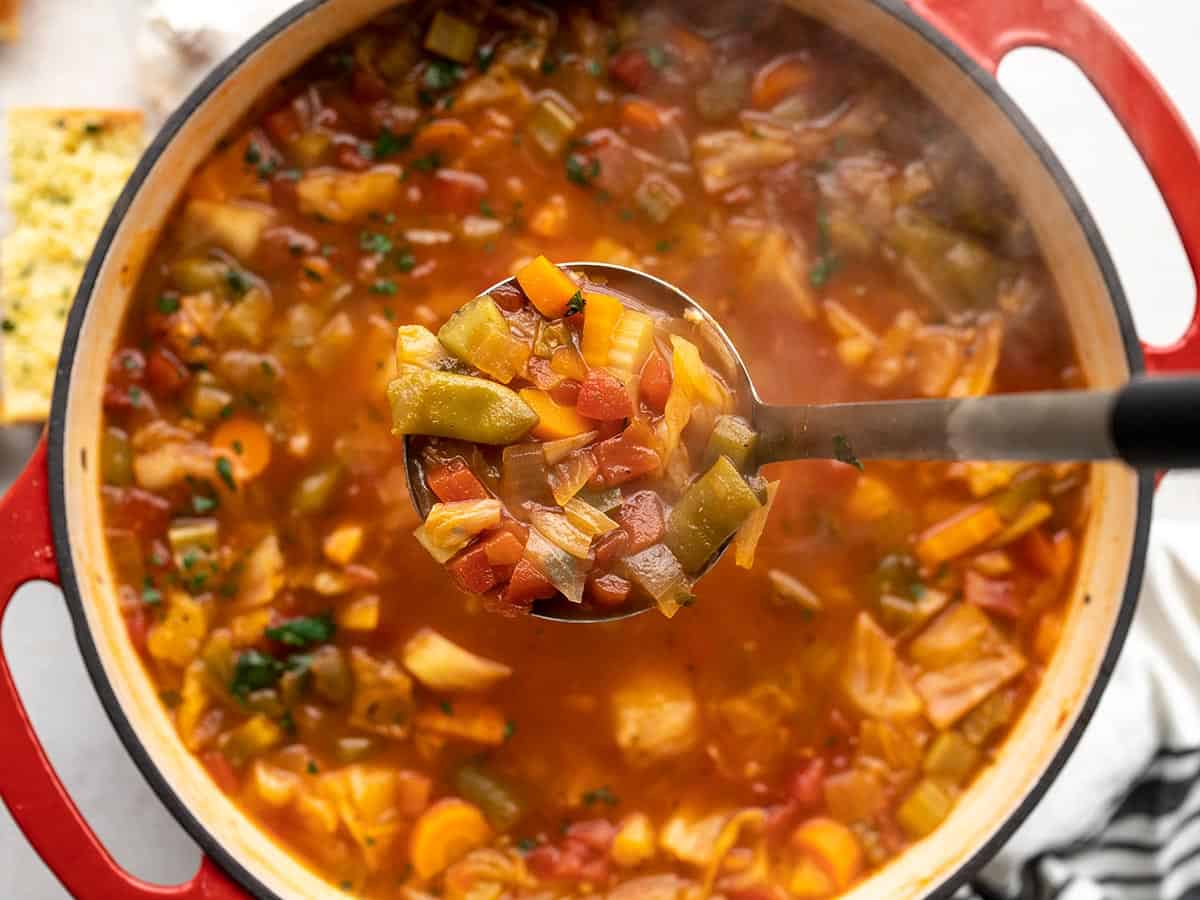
<point>827,261</point>
<point>226,411</point>
<point>594,68</point>
<point>447,707</point>
<point>526,844</point>
<point>389,144</point>
<point>431,162</point>
<point>225,471</point>
<point>510,728</point>
<point>8,326</point>
<point>202,504</point>
<point>93,127</point>
<point>151,595</point>
<point>383,286</point>
<point>484,57</point>
<point>237,445</point>
<point>135,396</point>
<point>168,304</point>
<point>843,452</point>
<point>603,795</point>
<point>404,260</point>
<point>664,245</point>
<point>311,768</point>
<point>485,210</point>
<point>252,156</point>
<point>254,671</point>
<point>576,303</point>
<point>237,281</point>
<point>549,65</point>
<point>304,631</point>
<point>657,57</point>
<point>582,171</point>
<point>375,242</point>
<point>441,74</point>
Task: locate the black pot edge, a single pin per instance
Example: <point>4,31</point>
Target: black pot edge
<point>208,842</point>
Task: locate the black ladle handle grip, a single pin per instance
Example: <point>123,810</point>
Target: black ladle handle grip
<point>1152,423</point>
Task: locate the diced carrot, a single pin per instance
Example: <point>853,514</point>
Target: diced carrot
<point>641,516</point>
<point>641,115</point>
<point>166,372</point>
<point>656,382</point>
<point>608,590</point>
<point>600,316</point>
<point>528,584</point>
<point>445,833</point>
<point>631,69</point>
<point>833,847</point>
<point>503,548</point>
<point>627,456</point>
<point>694,50</point>
<point>602,396</point>
<point>778,78</point>
<point>554,419</point>
<point>956,535</point>
<point>547,286</point>
<point>473,570</point>
<point>611,546</point>
<point>445,135</point>
<point>247,446</point>
<point>994,595</point>
<point>221,770</point>
<point>1051,555</point>
<point>454,191</point>
<point>136,625</point>
<point>565,392</point>
<point>455,481</point>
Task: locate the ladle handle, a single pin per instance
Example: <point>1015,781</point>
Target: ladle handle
<point>1152,423</point>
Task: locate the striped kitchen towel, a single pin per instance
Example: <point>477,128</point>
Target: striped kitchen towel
<point>1122,822</point>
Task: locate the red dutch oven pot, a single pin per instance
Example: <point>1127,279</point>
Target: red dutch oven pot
<point>49,521</point>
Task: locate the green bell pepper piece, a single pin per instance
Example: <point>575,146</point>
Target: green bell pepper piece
<point>733,437</point>
<point>712,509</point>
<point>445,404</point>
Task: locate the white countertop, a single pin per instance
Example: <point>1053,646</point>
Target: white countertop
<point>79,52</point>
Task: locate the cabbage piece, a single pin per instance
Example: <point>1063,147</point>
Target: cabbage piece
<point>745,541</point>
<point>571,476</point>
<point>567,573</point>
<point>873,678</point>
<point>658,573</point>
<point>557,528</point>
<point>442,665</point>
<point>556,451</point>
<point>655,717</point>
<point>451,526</point>
<point>383,696</point>
<point>587,518</point>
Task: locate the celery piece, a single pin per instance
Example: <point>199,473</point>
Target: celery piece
<point>314,491</point>
<point>951,756</point>
<point>712,509</point>
<point>445,404</point>
<point>192,539</point>
<point>732,437</point>
<point>925,807</point>
<point>478,334</point>
<point>495,798</point>
<point>116,457</point>
<point>631,342</point>
<point>551,126</point>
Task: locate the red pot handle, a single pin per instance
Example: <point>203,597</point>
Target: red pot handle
<point>988,29</point>
<point>30,788</point>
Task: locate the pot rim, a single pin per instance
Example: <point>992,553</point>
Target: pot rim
<point>210,843</point>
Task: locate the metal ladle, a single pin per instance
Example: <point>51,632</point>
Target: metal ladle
<point>1148,423</point>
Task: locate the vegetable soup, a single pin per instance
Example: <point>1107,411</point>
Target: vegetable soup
<point>797,725</point>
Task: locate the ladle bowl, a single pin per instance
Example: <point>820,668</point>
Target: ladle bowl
<point>1151,423</point>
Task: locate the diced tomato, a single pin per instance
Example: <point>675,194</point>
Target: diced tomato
<point>137,625</point>
<point>566,392</point>
<point>135,510</point>
<point>503,548</point>
<point>284,125</point>
<point>455,191</point>
<point>641,517</point>
<point>608,590</point>
<point>509,297</point>
<point>583,854</point>
<point>603,396</point>
<point>166,372</point>
<point>455,481</point>
<point>221,770</point>
<point>472,570</point>
<point>528,584</point>
<point>494,601</point>
<point>627,456</point>
<point>656,382</point>
<point>366,85</point>
<point>994,595</point>
<point>631,69</point>
<point>805,793</point>
<point>611,546</point>
<point>348,157</point>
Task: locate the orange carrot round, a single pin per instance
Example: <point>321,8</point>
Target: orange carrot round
<point>247,446</point>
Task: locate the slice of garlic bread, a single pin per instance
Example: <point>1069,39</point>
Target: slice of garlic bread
<point>67,167</point>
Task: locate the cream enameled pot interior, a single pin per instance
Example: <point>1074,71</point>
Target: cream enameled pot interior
<point>1106,552</point>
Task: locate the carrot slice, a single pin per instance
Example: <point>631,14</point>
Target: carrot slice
<point>247,446</point>
<point>547,286</point>
<point>528,584</point>
<point>778,78</point>
<point>555,420</point>
<point>444,833</point>
<point>503,548</point>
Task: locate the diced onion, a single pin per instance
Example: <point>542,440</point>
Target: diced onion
<point>745,542</point>
<point>587,518</point>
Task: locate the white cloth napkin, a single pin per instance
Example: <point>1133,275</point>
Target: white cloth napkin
<point>1122,821</point>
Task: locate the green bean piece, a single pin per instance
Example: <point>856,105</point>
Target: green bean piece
<point>496,799</point>
<point>711,510</point>
<point>445,404</point>
<point>116,458</point>
<point>733,437</point>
